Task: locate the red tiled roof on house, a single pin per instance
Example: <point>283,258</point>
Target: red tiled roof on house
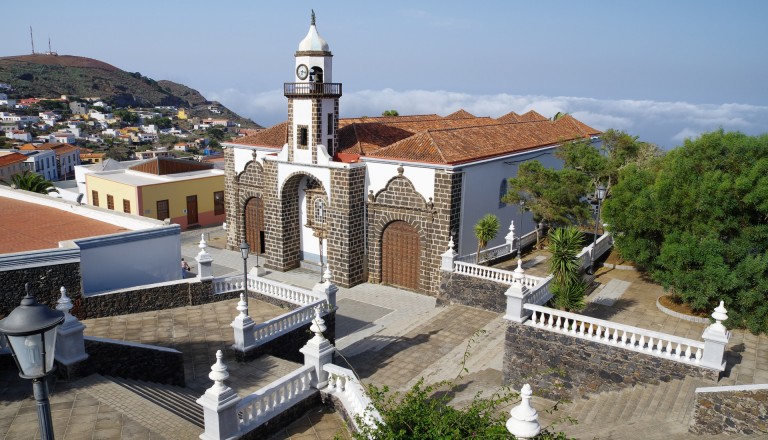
<point>509,117</point>
<point>531,116</point>
<point>58,148</point>
<point>11,158</point>
<point>275,136</point>
<point>460,114</point>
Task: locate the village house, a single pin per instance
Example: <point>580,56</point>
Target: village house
<point>11,163</point>
<point>376,198</point>
<point>67,157</point>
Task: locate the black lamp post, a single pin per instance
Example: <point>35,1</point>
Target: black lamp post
<point>244,250</point>
<point>31,333</point>
<point>600,194</point>
<point>520,237</point>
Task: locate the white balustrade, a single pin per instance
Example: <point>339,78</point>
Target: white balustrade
<point>256,409</point>
<point>343,384</point>
<point>274,289</point>
<point>607,332</point>
<point>493,274</point>
<point>538,294</point>
<point>286,323</point>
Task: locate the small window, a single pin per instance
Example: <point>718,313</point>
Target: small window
<point>319,212</point>
<point>110,202</point>
<point>127,206</point>
<point>162,210</point>
<point>95,198</point>
<point>303,136</point>
<point>330,123</point>
<point>218,203</point>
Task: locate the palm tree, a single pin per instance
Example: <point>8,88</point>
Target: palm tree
<point>567,287</point>
<point>33,182</point>
<point>485,230</point>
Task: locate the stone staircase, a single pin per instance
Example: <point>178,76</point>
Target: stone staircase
<point>643,412</point>
<point>177,400</point>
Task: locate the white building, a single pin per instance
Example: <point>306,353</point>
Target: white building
<point>62,137</point>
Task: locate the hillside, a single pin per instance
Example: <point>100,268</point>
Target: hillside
<point>52,76</point>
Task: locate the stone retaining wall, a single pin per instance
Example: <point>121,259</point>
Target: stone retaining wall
<point>128,360</point>
<point>560,366</point>
<point>470,291</point>
<point>189,292</point>
<point>45,281</point>
<point>731,410</point>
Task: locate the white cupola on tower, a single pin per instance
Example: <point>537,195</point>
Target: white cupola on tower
<point>313,101</point>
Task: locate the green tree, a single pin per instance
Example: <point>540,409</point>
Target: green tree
<point>33,182</point>
<point>390,113</point>
<point>485,230</point>
<point>216,133</point>
<point>698,223</point>
<point>553,196</point>
<point>567,286</point>
<point>126,116</point>
<point>160,122</point>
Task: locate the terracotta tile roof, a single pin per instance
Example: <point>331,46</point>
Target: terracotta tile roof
<point>460,114</point>
<point>11,158</point>
<point>388,119</point>
<point>460,145</point>
<point>37,227</point>
<point>58,148</point>
<point>364,138</point>
<point>509,117</point>
<point>531,116</point>
<point>275,136</point>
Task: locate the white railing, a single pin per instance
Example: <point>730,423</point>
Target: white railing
<point>267,287</point>
<point>286,323</point>
<point>493,274</point>
<point>256,409</point>
<point>606,332</point>
<point>343,384</point>
<point>540,293</point>
<point>604,242</point>
<point>488,254</point>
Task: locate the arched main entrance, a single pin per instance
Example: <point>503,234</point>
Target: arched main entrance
<point>401,256</point>
<point>254,225</point>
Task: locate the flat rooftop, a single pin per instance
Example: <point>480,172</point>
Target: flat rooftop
<point>139,178</point>
<point>28,226</point>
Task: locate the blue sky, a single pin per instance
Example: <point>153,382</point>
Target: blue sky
<point>662,70</point>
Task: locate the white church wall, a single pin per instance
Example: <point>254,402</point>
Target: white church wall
<point>481,195</point>
<point>380,173</point>
<point>302,111</point>
<point>284,170</point>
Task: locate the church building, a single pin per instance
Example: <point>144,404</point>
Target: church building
<point>376,198</point>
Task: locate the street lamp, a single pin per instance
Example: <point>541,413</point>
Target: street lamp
<point>600,194</point>
<point>244,250</point>
<point>31,333</point>
<point>520,237</point>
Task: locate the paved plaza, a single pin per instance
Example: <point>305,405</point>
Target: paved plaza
<point>388,336</point>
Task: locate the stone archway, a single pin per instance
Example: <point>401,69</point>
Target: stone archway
<point>400,255</point>
<point>295,218</point>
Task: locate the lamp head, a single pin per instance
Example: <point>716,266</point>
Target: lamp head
<point>244,250</point>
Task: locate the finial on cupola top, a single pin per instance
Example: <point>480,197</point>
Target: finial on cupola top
<point>313,18</point>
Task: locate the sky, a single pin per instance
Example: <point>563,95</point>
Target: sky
<point>661,70</point>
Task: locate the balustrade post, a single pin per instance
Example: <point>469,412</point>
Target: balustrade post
<point>716,337</point>
<point>510,238</point>
<point>243,328</point>
<point>516,294</point>
<point>204,261</point>
<point>318,351</point>
<point>524,419</point>
<point>327,289</point>
<point>70,345</point>
<point>219,405</point>
<point>448,257</point>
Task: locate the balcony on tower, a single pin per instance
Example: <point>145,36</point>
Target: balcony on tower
<point>312,89</point>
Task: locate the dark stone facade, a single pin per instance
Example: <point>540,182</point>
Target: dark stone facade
<point>346,217</point>
<point>470,291</point>
<point>560,366</point>
<point>45,282</point>
<point>731,412</point>
<point>147,363</point>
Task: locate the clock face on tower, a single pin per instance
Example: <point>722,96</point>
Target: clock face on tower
<point>302,71</point>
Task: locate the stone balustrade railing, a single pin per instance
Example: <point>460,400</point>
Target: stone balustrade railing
<point>612,333</point>
<point>500,250</point>
<point>604,242</point>
<point>274,289</point>
<point>258,408</point>
<point>286,323</point>
<point>539,294</point>
<point>343,385</point>
<point>493,274</point>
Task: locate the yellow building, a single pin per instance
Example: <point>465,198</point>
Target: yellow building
<point>182,114</point>
<point>189,193</point>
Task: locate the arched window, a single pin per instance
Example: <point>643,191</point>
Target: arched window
<point>319,212</point>
<point>502,192</point>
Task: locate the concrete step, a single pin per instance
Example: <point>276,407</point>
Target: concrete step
<point>177,400</point>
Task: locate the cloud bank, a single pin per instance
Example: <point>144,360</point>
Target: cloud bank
<point>664,123</point>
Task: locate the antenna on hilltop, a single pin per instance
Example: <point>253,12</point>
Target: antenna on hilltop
<point>32,39</point>
<point>50,52</point>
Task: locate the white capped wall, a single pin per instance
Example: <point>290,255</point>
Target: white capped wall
<point>482,188</point>
<point>130,259</point>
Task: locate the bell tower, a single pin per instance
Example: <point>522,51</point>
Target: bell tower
<point>313,100</point>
